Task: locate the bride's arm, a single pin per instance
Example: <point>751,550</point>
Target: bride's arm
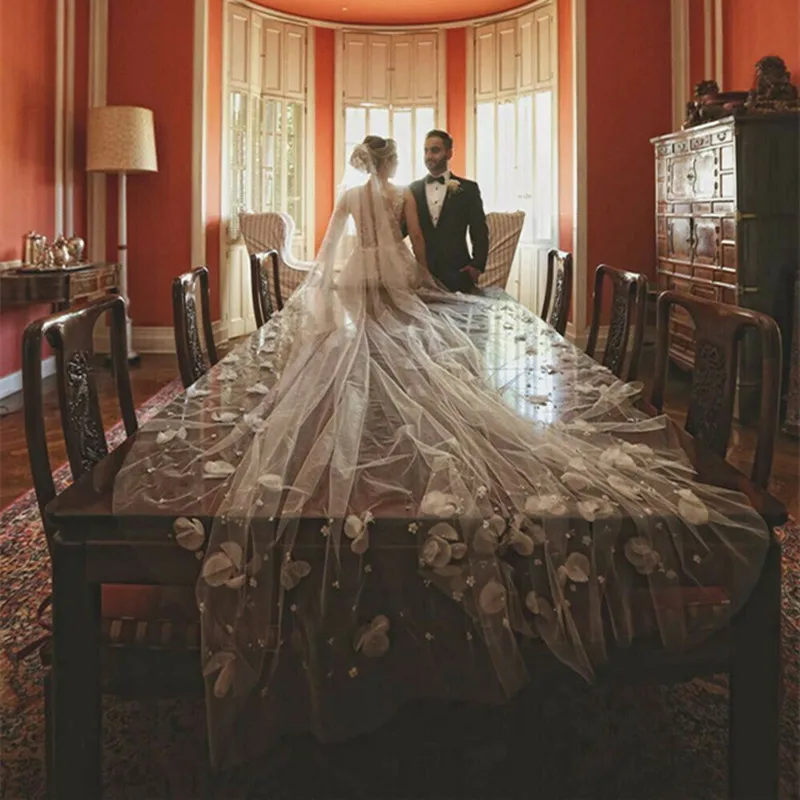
<point>414,229</point>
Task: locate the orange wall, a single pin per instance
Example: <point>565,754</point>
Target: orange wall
<point>27,160</point>
<point>621,119</point>
<point>753,29</point>
<point>150,50</point>
<point>324,188</point>
<point>457,97</point>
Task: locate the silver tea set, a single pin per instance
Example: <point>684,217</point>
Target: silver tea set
<point>61,252</point>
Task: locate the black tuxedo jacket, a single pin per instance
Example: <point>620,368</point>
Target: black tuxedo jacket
<point>446,242</point>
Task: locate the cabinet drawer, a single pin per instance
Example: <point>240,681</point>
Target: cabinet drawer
<point>693,176</point>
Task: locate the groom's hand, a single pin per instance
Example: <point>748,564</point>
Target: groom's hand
<point>473,273</point>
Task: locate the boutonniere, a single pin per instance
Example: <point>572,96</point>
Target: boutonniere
<point>453,186</point>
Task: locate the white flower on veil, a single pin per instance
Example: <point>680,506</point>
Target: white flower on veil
<point>372,639</point>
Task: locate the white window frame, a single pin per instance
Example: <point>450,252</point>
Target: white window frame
<point>529,293</point>
<point>440,103</point>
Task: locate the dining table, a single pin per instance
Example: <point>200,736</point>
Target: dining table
<point>100,541</point>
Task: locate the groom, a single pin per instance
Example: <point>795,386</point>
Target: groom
<point>448,206</point>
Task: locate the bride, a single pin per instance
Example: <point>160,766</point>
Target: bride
<point>391,527</point>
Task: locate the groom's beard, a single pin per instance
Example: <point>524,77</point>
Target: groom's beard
<point>437,167</point>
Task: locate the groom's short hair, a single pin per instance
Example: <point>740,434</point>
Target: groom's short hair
<point>443,135</point>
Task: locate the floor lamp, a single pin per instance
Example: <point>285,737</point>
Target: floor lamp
<point>121,140</point>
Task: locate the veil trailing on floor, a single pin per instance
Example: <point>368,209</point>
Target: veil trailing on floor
<point>389,524</point>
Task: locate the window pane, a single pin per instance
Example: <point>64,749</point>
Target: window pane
<point>355,127</point>
<point>506,186</point>
<point>237,158</point>
<point>402,132</point>
<point>525,179</point>
<point>426,121</point>
<point>294,165</point>
<point>378,122</point>
<point>485,152</point>
<point>543,187</point>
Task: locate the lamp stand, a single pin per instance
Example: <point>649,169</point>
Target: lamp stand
<point>122,255</point>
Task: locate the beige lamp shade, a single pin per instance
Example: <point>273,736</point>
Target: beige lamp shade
<point>121,139</point>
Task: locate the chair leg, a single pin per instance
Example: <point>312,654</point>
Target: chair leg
<point>49,738</point>
<point>753,739</point>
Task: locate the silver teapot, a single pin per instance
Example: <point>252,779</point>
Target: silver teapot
<point>76,246</point>
<point>34,246</point>
<point>60,249</point>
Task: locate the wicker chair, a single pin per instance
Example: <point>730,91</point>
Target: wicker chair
<point>273,231</point>
<point>505,229</point>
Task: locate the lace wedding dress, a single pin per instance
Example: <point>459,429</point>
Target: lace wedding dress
<point>393,519</point>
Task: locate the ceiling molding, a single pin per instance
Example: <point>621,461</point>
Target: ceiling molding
<point>395,28</point>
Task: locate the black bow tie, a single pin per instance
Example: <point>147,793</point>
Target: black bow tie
<point>431,179</point>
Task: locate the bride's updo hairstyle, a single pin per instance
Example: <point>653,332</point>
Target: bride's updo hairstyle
<point>373,153</point>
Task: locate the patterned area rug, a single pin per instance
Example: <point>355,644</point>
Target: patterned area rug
<point>655,742</point>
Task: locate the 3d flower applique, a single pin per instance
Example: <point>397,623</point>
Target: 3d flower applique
<point>189,533</point>
<point>231,358</point>
<point>520,536</point>
<point>356,529</point>
<point>372,639</point>
<point>271,482</point>
<point>594,508</point>
<point>492,597</point>
<point>540,504</point>
<point>225,417</point>
<point>641,555</point>
<point>227,374</point>
<point>437,550</point>
<point>616,457</point>
<point>258,388</point>
<point>292,572</point>
<point>195,392</point>
<point>438,504</point>
<point>218,469</point>
<point>224,568</point>
<point>576,569</point>
<point>639,449</point>
<point>223,662</point>
<point>625,487</point>
<point>692,508</point>
<point>575,481</point>
<point>171,433</point>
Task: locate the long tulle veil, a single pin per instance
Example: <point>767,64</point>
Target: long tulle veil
<point>386,523</point>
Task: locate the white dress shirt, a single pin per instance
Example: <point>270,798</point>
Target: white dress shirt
<point>435,194</point>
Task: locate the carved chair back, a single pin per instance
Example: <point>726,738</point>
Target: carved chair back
<point>719,329</point>
<point>191,359</point>
<point>558,290</point>
<point>259,284</point>
<point>70,334</point>
<point>628,306</point>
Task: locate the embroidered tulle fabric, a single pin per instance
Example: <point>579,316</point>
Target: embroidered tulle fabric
<point>416,494</point>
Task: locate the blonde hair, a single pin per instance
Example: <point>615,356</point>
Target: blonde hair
<point>371,155</point>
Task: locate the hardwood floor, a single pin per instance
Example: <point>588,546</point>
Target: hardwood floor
<point>156,371</point>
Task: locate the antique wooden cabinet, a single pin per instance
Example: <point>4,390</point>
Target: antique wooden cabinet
<point>727,214</point>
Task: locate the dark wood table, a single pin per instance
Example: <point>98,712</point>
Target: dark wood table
<point>59,287</point>
<point>97,544</point>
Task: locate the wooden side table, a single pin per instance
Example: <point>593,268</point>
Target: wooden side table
<point>62,288</point>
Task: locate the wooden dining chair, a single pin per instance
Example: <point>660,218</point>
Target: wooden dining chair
<point>259,284</point>
<point>719,329</point>
<point>192,361</point>
<point>135,634</point>
<point>628,307</point>
<point>558,290</point>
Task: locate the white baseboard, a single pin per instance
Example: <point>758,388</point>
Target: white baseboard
<point>154,339</point>
<point>12,383</point>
